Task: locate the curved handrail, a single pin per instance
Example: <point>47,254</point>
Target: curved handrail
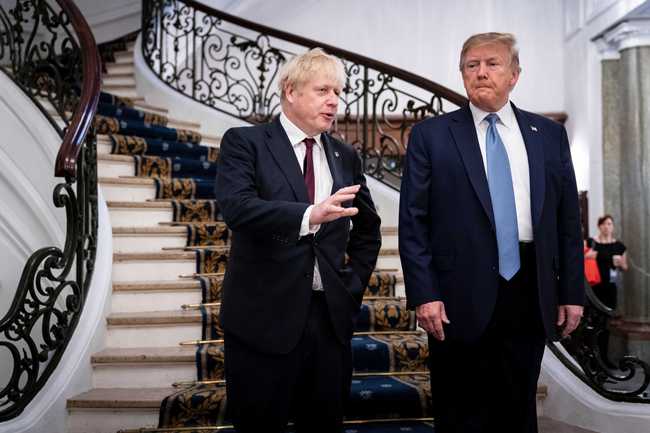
<point>410,77</point>
<point>66,160</point>
<point>231,65</point>
<point>42,56</point>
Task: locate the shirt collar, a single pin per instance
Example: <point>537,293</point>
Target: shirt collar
<point>506,115</point>
<point>295,134</point>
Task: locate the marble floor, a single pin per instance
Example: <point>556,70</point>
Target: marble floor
<point>547,425</point>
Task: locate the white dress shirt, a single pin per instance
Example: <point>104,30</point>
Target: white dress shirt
<point>322,179</point>
<point>513,141</point>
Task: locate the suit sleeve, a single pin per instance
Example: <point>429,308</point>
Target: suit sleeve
<point>571,273</point>
<point>420,278</point>
<point>365,236</point>
<point>242,208</point>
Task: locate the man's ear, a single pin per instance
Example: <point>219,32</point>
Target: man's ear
<point>289,92</point>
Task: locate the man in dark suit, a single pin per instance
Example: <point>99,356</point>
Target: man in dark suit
<point>296,201</point>
<point>489,238</point>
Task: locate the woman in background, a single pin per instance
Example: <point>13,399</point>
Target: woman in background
<point>610,256</point>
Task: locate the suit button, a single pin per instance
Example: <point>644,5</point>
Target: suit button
<point>494,268</point>
<point>307,275</point>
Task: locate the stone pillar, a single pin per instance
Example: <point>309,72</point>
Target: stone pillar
<point>626,165</point>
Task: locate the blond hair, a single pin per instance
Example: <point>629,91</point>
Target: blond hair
<point>301,68</point>
<point>506,39</point>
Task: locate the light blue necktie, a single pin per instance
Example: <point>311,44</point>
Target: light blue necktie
<point>503,200</point>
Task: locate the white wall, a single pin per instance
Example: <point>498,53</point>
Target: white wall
<point>585,19</point>
<point>111,19</point>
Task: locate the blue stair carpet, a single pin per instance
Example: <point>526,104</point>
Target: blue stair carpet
<point>128,113</point>
<point>176,167</point>
<point>115,125</point>
<point>134,145</point>
<point>198,211</point>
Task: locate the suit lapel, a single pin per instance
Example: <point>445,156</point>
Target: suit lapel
<point>534,142</point>
<point>334,162</point>
<point>464,133</point>
<point>284,156</point>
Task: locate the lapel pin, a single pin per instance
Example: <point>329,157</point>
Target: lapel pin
<point>534,128</point>
<point>336,154</point>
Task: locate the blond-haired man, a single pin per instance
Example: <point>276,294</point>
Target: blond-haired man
<point>296,201</point>
<point>490,245</point>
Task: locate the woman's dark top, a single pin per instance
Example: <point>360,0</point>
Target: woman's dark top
<point>604,257</point>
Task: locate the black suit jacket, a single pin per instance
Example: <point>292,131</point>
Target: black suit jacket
<point>268,283</point>
<point>447,237</point>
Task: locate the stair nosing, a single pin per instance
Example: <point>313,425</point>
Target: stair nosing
<point>139,204</point>
<point>154,256</point>
<point>154,318</point>
<point>153,286</point>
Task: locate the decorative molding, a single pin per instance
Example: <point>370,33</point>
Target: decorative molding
<point>627,34</point>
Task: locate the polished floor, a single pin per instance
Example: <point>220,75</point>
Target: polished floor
<point>547,425</point>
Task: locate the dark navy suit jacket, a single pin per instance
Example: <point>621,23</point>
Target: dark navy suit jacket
<point>262,195</point>
<point>447,237</point>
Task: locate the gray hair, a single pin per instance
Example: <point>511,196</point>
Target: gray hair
<point>506,39</point>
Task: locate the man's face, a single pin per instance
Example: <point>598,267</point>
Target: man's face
<point>488,76</point>
<point>312,106</point>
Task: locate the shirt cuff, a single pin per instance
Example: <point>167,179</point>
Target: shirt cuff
<point>305,228</point>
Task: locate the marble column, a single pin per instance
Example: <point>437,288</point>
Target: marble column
<point>626,165</point>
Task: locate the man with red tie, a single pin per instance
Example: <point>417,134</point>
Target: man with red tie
<point>297,203</point>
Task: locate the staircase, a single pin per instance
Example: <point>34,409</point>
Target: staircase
<point>155,274</point>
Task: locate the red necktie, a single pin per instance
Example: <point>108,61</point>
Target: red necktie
<point>308,168</point>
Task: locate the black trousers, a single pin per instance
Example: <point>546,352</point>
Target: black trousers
<point>490,385</point>
<point>308,385</point>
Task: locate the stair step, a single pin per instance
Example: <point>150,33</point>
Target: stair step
<point>107,410</point>
<point>120,68</point>
<point>142,105</point>
<point>128,91</point>
<point>148,239</point>
<point>140,213</point>
<point>125,79</point>
<point>109,165</point>
<point>163,265</point>
<point>143,367</point>
<point>135,189</point>
<point>152,328</point>
<point>122,57</point>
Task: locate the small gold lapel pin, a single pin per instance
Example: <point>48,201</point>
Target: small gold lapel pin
<point>534,128</point>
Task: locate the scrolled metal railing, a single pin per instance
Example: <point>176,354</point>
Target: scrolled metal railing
<point>48,50</point>
<point>625,380</point>
<point>231,64</point>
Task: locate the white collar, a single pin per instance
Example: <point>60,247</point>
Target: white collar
<point>506,115</point>
<point>295,134</point>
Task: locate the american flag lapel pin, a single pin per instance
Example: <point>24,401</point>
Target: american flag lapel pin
<point>533,128</point>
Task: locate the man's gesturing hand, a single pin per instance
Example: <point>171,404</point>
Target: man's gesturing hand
<point>431,316</point>
<point>569,316</point>
<point>330,209</point>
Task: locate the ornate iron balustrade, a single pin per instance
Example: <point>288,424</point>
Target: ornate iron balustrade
<point>232,65</point>
<point>47,48</point>
<point>627,380</point>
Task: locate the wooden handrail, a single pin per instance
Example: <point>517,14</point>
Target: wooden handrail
<point>82,118</point>
<point>410,77</point>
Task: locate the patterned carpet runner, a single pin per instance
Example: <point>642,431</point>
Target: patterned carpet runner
<point>390,383</point>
